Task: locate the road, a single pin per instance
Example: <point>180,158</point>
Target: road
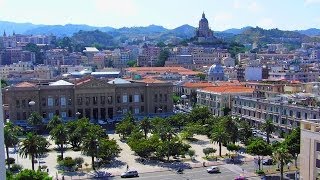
<point>227,172</point>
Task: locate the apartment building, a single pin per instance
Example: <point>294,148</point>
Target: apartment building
<point>310,149</point>
<point>96,99</point>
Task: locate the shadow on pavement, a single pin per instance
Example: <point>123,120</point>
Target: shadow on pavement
<point>171,165</point>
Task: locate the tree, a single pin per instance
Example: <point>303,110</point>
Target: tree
<point>219,135</point>
<point>39,56</point>
<point>125,128</point>
<point>191,153</point>
<point>245,132</point>
<point>145,125</point>
<point>208,151</point>
<point>108,149</point>
<point>54,122</point>
<point>27,174</point>
<point>282,156</point>
<point>4,83</point>
<point>268,127</point>
<point>58,134</point>
<point>76,130</point>
<point>163,56</point>
<point>35,120</point>
<point>33,146</point>
<point>178,120</point>
<point>232,147</point>
<point>11,139</point>
<point>90,142</point>
<point>231,128</point>
<point>176,98</point>
<point>201,76</point>
<point>199,114</point>
<point>132,63</point>
<point>292,141</point>
<point>259,148</point>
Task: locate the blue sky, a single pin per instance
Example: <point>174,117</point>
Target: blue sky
<point>222,14</point>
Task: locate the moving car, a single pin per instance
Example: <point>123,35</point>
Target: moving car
<point>240,178</point>
<point>267,162</point>
<point>130,173</point>
<point>213,169</point>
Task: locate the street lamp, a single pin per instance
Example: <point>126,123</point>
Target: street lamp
<point>32,103</point>
<point>78,114</point>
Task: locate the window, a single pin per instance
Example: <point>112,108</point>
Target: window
<point>69,102</point>
<point>50,101</point>
<point>87,101</point>
<point>18,116</point>
<point>318,147</point>
<point>155,98</point>
<point>102,99</point>
<point>17,104</point>
<point>136,98</point>
<point>160,97</point>
<point>165,97</point>
<point>95,100</point>
<point>136,110</point>
<point>43,102</point>
<point>124,98</point>
<point>44,115</point>
<point>23,103</point>
<point>24,116</point>
<point>56,101</point>
<point>79,100</point>
<point>318,163</point>
<point>63,114</point>
<point>124,111</point>
<point>110,99</point>
<point>69,113</point>
<point>142,98</point>
<point>50,115</point>
<point>142,109</point>
<point>63,101</point>
<point>130,98</point>
<point>118,99</point>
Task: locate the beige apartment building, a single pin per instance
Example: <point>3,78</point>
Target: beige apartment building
<point>96,99</point>
<point>310,150</point>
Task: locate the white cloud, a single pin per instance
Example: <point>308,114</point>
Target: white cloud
<point>309,2</point>
<point>249,5</point>
<point>266,23</point>
<point>116,7</point>
<point>221,21</point>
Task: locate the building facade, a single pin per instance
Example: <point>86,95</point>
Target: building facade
<point>310,150</point>
<point>96,99</point>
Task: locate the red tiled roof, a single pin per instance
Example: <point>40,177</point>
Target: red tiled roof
<point>161,70</point>
<point>25,84</point>
<point>228,89</point>
<point>197,84</point>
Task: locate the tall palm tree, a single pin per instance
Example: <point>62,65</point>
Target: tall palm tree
<point>58,134</point>
<point>145,125</point>
<point>268,127</point>
<point>35,120</point>
<point>55,121</point>
<point>33,146</point>
<point>11,139</point>
<point>219,135</point>
<point>282,156</point>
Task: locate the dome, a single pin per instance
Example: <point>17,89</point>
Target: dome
<point>204,19</point>
<point>215,69</point>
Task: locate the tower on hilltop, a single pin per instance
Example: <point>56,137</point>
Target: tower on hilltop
<point>203,31</point>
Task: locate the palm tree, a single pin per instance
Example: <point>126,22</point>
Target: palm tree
<point>10,137</point>
<point>35,120</point>
<point>145,125</point>
<point>33,146</point>
<point>219,135</point>
<point>55,121</point>
<point>268,127</point>
<point>58,134</point>
<point>282,156</point>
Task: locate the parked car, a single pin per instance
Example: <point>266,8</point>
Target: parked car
<point>130,173</point>
<point>267,161</point>
<point>240,178</point>
<point>213,169</point>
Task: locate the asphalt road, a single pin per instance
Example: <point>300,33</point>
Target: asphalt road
<point>228,172</point>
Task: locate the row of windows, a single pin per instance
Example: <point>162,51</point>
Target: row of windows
<point>49,115</point>
<point>160,97</point>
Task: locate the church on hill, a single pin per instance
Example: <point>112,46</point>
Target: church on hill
<point>203,32</point>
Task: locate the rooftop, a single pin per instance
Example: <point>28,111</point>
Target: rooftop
<point>25,84</point>
<point>60,83</point>
<point>162,70</point>
<point>119,81</point>
<point>227,89</point>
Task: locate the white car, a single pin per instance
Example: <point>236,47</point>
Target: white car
<point>130,173</point>
<point>213,169</point>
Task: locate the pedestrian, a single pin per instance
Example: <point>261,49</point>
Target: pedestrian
<point>204,164</point>
<point>47,170</point>
<point>63,177</point>
<point>127,167</point>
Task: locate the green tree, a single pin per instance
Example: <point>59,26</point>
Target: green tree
<point>282,156</point>
<point>163,56</point>
<point>125,128</point>
<point>39,56</point>
<point>191,153</point>
<point>35,120</point>
<point>219,135</point>
<point>292,142</point>
<point>90,142</point>
<point>202,76</point>
<point>199,114</point>
<point>4,83</point>
<point>176,98</point>
<point>76,130</point>
<point>231,127</point>
<point>58,134</point>
<point>108,149</point>
<point>145,126</point>
<point>11,138</point>
<point>132,63</point>
<point>27,174</point>
<point>268,127</point>
<point>178,120</point>
<point>232,147</point>
<point>33,146</point>
<point>259,148</point>
<point>208,151</point>
<point>245,132</point>
<point>55,121</point>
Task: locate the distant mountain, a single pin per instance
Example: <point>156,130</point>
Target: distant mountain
<point>184,30</point>
<point>19,28</point>
<point>142,30</point>
<point>65,30</point>
<point>310,32</point>
<point>236,31</point>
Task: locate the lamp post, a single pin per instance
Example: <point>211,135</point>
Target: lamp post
<point>78,114</point>
<point>2,153</point>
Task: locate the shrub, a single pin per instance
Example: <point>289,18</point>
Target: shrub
<point>78,160</point>
<point>59,158</point>
<point>68,162</point>
<point>260,172</point>
<point>34,175</point>
<point>16,168</point>
<point>208,151</point>
<point>10,160</point>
